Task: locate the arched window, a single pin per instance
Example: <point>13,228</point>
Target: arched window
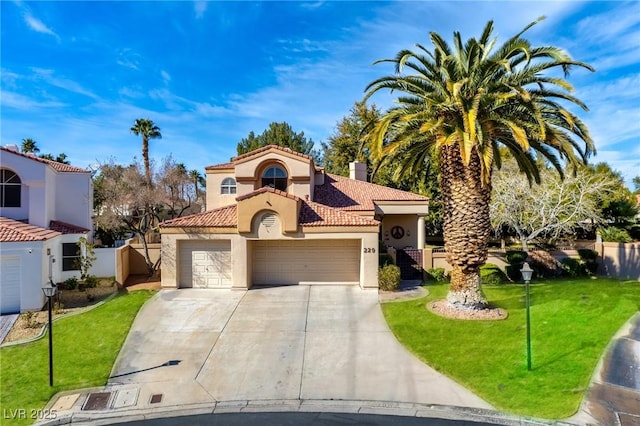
<point>228,186</point>
<point>10,189</point>
<point>275,177</point>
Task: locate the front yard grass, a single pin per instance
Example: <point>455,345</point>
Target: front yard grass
<point>85,347</point>
<point>572,321</point>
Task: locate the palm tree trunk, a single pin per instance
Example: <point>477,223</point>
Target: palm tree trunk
<point>145,158</point>
<point>467,226</point>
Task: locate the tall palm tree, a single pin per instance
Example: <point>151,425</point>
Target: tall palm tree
<point>465,103</point>
<point>147,129</point>
<point>197,178</point>
<point>29,146</point>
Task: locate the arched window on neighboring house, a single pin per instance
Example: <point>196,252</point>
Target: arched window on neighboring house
<point>10,189</point>
<point>275,177</point>
<point>228,186</point>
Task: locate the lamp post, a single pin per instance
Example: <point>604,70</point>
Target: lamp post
<point>49,290</point>
<point>526,276</point>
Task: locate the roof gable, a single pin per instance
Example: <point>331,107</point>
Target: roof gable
<point>59,167</point>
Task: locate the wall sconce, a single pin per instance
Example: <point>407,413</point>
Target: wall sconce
<point>48,252</point>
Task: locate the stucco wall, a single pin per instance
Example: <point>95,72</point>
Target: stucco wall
<point>214,198</point>
<point>73,201</point>
<point>105,263</point>
<point>620,260</point>
<point>408,222</point>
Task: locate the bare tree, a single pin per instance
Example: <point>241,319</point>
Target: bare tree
<point>550,209</point>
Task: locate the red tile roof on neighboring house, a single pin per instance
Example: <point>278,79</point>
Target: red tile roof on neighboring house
<point>66,228</point>
<point>223,217</point>
<point>311,214</point>
<point>222,166</point>
<point>12,231</point>
<point>349,194</point>
<point>60,167</point>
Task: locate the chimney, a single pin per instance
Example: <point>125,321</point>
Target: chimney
<point>358,171</point>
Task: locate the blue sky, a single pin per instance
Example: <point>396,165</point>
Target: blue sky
<point>75,75</point>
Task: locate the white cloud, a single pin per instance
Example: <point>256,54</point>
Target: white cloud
<point>24,103</point>
<point>38,26</point>
<point>165,76</point>
<point>48,76</point>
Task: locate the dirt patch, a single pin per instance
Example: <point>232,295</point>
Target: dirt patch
<point>29,325</point>
<point>445,309</point>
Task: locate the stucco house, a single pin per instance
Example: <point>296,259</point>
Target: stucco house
<point>273,217</point>
<point>45,207</point>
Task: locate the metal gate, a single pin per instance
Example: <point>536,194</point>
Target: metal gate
<point>410,263</point>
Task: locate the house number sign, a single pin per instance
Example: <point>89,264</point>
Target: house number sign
<point>397,232</point>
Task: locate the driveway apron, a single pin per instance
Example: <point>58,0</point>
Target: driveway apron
<point>278,343</point>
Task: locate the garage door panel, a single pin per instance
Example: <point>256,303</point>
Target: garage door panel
<point>309,261</point>
<point>205,264</point>
<point>10,284</point>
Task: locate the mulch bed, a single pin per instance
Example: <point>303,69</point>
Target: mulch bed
<point>445,309</point>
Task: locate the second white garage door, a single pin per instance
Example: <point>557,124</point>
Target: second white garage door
<point>306,262</point>
<point>205,264</point>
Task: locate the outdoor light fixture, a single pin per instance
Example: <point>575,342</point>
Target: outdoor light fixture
<point>49,290</point>
<point>526,276</point>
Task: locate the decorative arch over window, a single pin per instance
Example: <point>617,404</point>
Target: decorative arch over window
<point>10,189</point>
<point>228,186</point>
<point>275,177</point>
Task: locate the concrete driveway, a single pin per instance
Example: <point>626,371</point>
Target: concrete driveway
<point>282,343</point>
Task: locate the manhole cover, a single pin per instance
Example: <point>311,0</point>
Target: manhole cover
<point>156,398</point>
<point>97,401</point>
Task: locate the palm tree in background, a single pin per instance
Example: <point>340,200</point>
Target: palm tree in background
<point>197,179</point>
<point>147,129</point>
<point>464,103</point>
<point>29,146</point>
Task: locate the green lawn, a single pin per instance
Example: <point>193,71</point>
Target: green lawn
<point>85,348</point>
<point>572,322</point>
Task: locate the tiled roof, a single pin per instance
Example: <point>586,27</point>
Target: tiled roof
<point>267,148</point>
<point>224,217</point>
<point>15,231</point>
<point>220,166</point>
<point>349,194</point>
<point>314,214</point>
<point>267,189</point>
<point>67,228</point>
<point>60,167</point>
<point>311,214</point>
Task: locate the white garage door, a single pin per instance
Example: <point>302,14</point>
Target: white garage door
<point>306,262</point>
<point>10,284</point>
<point>205,264</point>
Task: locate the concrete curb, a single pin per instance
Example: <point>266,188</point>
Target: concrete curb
<point>385,408</point>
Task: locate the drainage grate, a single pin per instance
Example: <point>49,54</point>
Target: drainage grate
<point>156,398</point>
<point>97,401</point>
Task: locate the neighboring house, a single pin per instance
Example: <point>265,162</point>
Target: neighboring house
<point>45,207</point>
<point>274,217</point>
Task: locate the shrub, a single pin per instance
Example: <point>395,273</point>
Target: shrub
<point>589,258</point>
<point>438,274</point>
<point>91,281</point>
<point>70,283</point>
<point>545,265</point>
<point>515,257</point>
<point>572,267</point>
<point>30,319</point>
<point>389,278</point>
<point>385,259</point>
<point>491,274</point>
<point>615,235</point>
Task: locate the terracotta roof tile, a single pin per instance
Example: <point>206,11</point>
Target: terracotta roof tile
<point>349,194</point>
<point>15,231</point>
<point>221,166</point>
<point>314,214</point>
<point>267,148</point>
<point>223,217</point>
<point>60,167</point>
<point>66,228</point>
<point>267,189</point>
